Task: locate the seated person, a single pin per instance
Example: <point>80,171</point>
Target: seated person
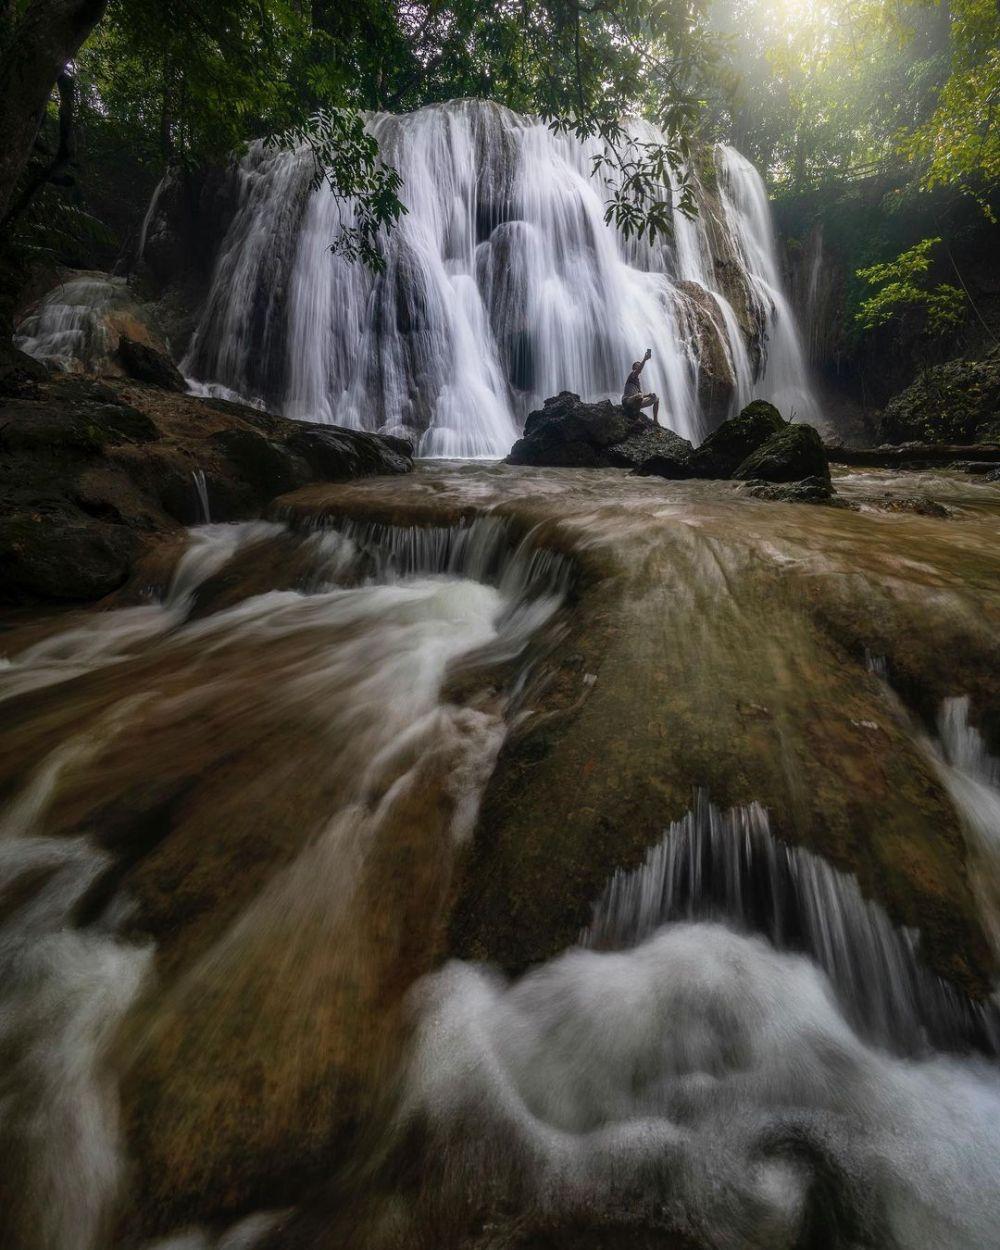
<point>633,397</point>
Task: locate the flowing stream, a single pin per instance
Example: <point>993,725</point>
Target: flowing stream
<point>317,930</point>
<point>492,859</point>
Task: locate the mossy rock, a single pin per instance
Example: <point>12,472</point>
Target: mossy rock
<point>268,466</point>
<point>146,364</point>
<point>957,402</point>
<point>794,453</point>
<point>735,439</point>
<point>63,557</point>
<point>20,373</point>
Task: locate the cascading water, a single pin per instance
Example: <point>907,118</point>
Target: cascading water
<point>353,663</point>
<point>784,380</point>
<point>503,285</point>
<point>69,329</point>
<point>241,1009</point>
<point>727,866</point>
<point>972,776</point>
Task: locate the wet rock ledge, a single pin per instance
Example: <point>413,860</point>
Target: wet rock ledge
<point>773,458</point>
<point>95,472</point>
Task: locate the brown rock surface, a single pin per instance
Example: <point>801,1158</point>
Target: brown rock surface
<point>94,472</point>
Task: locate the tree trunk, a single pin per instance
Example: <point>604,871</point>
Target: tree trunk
<point>39,47</point>
<point>64,156</point>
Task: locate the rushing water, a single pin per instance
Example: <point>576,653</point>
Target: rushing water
<point>503,285</point>
<point>69,328</point>
<point>355,663</point>
<point>728,866</point>
<point>236,816</point>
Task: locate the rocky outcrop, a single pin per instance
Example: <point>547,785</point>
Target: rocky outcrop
<point>980,458</point>
<point>779,461</point>
<point>146,364</point>
<point>570,433</point>
<point>79,323</point>
<point>958,402</point>
<point>651,442</point>
<point>94,472</point>
<point>187,220</point>
<point>808,490</point>
<point>793,453</point>
<point>716,379</point>
<point>756,446</point>
<point>19,372</point>
<point>735,439</point>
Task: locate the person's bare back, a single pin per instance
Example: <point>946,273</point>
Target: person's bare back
<point>633,397</point>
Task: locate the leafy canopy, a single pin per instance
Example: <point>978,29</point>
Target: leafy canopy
<point>903,286</point>
<point>190,81</point>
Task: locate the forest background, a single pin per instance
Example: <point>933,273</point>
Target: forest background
<point>873,122</point>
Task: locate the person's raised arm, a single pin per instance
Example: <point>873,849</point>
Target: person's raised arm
<point>649,352</point>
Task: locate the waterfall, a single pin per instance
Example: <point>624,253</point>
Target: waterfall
<point>784,378</point>
<point>972,777</point>
<point>70,327</point>
<point>503,285</point>
<point>201,490</point>
<point>727,866</point>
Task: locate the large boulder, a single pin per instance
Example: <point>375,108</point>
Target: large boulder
<point>569,433</point>
<point>725,449</point>
<point>729,445</point>
<point>958,402</point>
<point>670,457</point>
<point>146,364</point>
<point>335,454</point>
<point>652,444</point>
<point>795,452</point>
<point>62,555</point>
<point>20,373</point>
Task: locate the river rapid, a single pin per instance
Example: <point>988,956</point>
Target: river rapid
<point>511,858</point>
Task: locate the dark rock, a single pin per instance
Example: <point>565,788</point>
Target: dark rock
<point>92,472</point>
<point>20,373</point>
<point>189,219</point>
<point>652,444</point>
<point>957,402</point>
<point>808,490</point>
<point>63,556</point>
<point>917,456</point>
<point>919,505</point>
<point>729,445</point>
<point>795,452</point>
<point>976,468</point>
<point>568,433</point>
<point>663,464</point>
<point>146,364</point>
<point>671,458</point>
<point>270,467</point>
<point>335,454</point>
<point>78,425</point>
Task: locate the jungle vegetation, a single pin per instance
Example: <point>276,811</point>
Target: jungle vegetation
<point>99,97</point>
